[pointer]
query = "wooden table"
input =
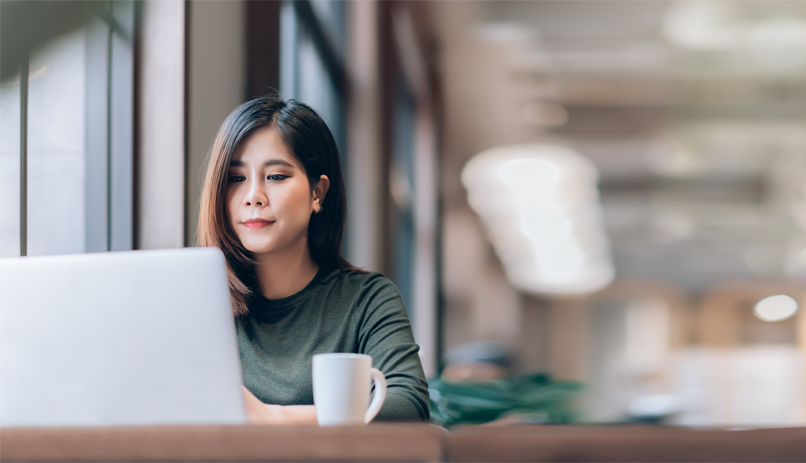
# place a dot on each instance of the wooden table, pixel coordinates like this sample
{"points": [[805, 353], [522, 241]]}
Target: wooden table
{"points": [[625, 444], [400, 442], [377, 442]]}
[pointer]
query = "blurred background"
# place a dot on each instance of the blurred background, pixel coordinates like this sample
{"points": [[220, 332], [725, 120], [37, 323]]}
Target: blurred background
{"points": [[609, 192]]}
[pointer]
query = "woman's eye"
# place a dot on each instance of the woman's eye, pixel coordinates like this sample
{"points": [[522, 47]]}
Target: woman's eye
{"points": [[277, 177], [236, 178]]}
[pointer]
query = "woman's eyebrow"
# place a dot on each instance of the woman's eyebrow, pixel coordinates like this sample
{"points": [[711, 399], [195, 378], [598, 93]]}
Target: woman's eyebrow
{"points": [[273, 162]]}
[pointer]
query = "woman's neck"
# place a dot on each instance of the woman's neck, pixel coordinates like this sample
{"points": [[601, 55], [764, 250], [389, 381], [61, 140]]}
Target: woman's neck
{"points": [[284, 274]]}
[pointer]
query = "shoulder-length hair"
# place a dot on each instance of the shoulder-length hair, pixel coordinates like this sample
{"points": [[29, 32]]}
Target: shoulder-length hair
{"points": [[312, 143]]}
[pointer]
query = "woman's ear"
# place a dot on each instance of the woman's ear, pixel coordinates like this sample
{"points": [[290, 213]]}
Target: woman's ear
{"points": [[319, 192]]}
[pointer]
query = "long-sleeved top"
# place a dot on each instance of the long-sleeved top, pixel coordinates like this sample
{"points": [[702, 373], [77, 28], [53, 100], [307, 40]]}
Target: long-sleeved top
{"points": [[338, 311]]}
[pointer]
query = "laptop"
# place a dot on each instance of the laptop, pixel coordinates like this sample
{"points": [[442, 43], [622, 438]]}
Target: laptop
{"points": [[118, 338]]}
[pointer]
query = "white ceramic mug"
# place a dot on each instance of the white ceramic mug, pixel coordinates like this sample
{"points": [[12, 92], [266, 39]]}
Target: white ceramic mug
{"points": [[341, 387]]}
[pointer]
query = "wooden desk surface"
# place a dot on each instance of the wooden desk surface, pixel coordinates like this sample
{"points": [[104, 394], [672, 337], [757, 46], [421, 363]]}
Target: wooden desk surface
{"points": [[400, 442], [377, 442], [625, 444]]}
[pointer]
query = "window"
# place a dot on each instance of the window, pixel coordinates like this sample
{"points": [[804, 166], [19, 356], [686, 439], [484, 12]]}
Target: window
{"points": [[72, 105], [402, 180], [312, 60]]}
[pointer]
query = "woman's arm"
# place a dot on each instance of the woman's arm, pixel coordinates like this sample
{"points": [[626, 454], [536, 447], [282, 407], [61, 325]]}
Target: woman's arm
{"points": [[384, 332], [259, 413]]}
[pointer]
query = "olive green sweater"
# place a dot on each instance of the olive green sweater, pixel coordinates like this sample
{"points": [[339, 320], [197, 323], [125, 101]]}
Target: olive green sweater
{"points": [[339, 311]]}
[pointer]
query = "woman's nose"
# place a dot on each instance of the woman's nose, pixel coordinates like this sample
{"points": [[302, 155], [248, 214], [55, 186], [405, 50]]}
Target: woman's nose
{"points": [[256, 196]]}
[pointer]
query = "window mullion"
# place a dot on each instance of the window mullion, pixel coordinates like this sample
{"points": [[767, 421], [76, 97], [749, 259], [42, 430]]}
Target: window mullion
{"points": [[96, 170], [24, 157], [121, 128], [288, 50], [109, 138]]}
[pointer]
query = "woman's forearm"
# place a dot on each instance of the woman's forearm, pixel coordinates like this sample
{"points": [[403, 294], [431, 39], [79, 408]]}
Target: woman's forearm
{"points": [[293, 414], [259, 413]]}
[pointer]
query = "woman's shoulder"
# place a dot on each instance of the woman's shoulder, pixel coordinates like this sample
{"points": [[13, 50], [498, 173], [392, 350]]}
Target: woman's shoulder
{"points": [[361, 280], [362, 287]]}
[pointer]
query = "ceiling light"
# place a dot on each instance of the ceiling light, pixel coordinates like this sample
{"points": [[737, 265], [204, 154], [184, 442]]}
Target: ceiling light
{"points": [[540, 208], [504, 32], [776, 308], [702, 25], [779, 43]]}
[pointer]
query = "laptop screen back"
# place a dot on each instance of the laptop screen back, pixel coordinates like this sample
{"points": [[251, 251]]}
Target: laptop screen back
{"points": [[139, 337]]}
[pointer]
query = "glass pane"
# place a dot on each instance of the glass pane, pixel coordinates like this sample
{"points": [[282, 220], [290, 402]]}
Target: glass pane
{"points": [[10, 168], [56, 147], [316, 88], [315, 85], [331, 14], [402, 174]]}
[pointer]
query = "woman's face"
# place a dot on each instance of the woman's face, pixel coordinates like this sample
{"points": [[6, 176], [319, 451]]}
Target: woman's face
{"points": [[269, 198]]}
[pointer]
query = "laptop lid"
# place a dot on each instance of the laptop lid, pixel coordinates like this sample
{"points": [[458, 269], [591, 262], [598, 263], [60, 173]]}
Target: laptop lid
{"points": [[137, 337]]}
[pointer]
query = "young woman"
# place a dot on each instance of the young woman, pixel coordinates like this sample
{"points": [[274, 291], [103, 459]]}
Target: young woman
{"points": [[274, 202]]}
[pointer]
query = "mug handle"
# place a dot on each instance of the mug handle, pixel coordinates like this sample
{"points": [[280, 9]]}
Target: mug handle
{"points": [[380, 394]]}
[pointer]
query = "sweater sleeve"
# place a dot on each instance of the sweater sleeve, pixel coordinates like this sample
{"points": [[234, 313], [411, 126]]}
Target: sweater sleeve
{"points": [[384, 332]]}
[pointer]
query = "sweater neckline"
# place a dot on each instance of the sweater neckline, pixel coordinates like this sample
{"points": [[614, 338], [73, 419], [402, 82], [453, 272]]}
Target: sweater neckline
{"points": [[263, 306]]}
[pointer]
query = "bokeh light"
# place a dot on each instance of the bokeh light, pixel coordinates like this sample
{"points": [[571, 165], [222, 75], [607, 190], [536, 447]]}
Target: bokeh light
{"points": [[776, 308]]}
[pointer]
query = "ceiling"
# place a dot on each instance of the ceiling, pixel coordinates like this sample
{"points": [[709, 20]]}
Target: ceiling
{"points": [[694, 114]]}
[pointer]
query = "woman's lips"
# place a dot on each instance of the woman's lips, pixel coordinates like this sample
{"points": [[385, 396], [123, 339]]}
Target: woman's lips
{"points": [[256, 223]]}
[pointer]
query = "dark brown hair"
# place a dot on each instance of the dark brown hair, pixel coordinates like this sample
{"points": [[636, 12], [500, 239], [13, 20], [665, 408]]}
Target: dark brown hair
{"points": [[312, 143]]}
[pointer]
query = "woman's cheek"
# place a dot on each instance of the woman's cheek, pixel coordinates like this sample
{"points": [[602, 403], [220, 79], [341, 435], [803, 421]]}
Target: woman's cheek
{"points": [[232, 202], [229, 201]]}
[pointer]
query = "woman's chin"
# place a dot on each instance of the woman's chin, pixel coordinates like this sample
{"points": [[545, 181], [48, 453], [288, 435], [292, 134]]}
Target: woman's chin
{"points": [[270, 245], [266, 249], [261, 249]]}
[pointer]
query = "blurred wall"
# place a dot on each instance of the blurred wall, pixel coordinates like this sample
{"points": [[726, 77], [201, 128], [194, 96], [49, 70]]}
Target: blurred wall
{"points": [[479, 302], [161, 147], [216, 83], [696, 155], [192, 74]]}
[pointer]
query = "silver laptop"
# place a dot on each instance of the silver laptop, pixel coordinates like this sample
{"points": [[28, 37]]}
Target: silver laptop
{"points": [[139, 337]]}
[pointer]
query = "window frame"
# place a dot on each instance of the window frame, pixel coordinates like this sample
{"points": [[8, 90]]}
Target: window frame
{"points": [[300, 20], [109, 131]]}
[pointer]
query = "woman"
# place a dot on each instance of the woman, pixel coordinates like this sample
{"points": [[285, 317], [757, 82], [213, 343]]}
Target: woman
{"points": [[274, 203]]}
